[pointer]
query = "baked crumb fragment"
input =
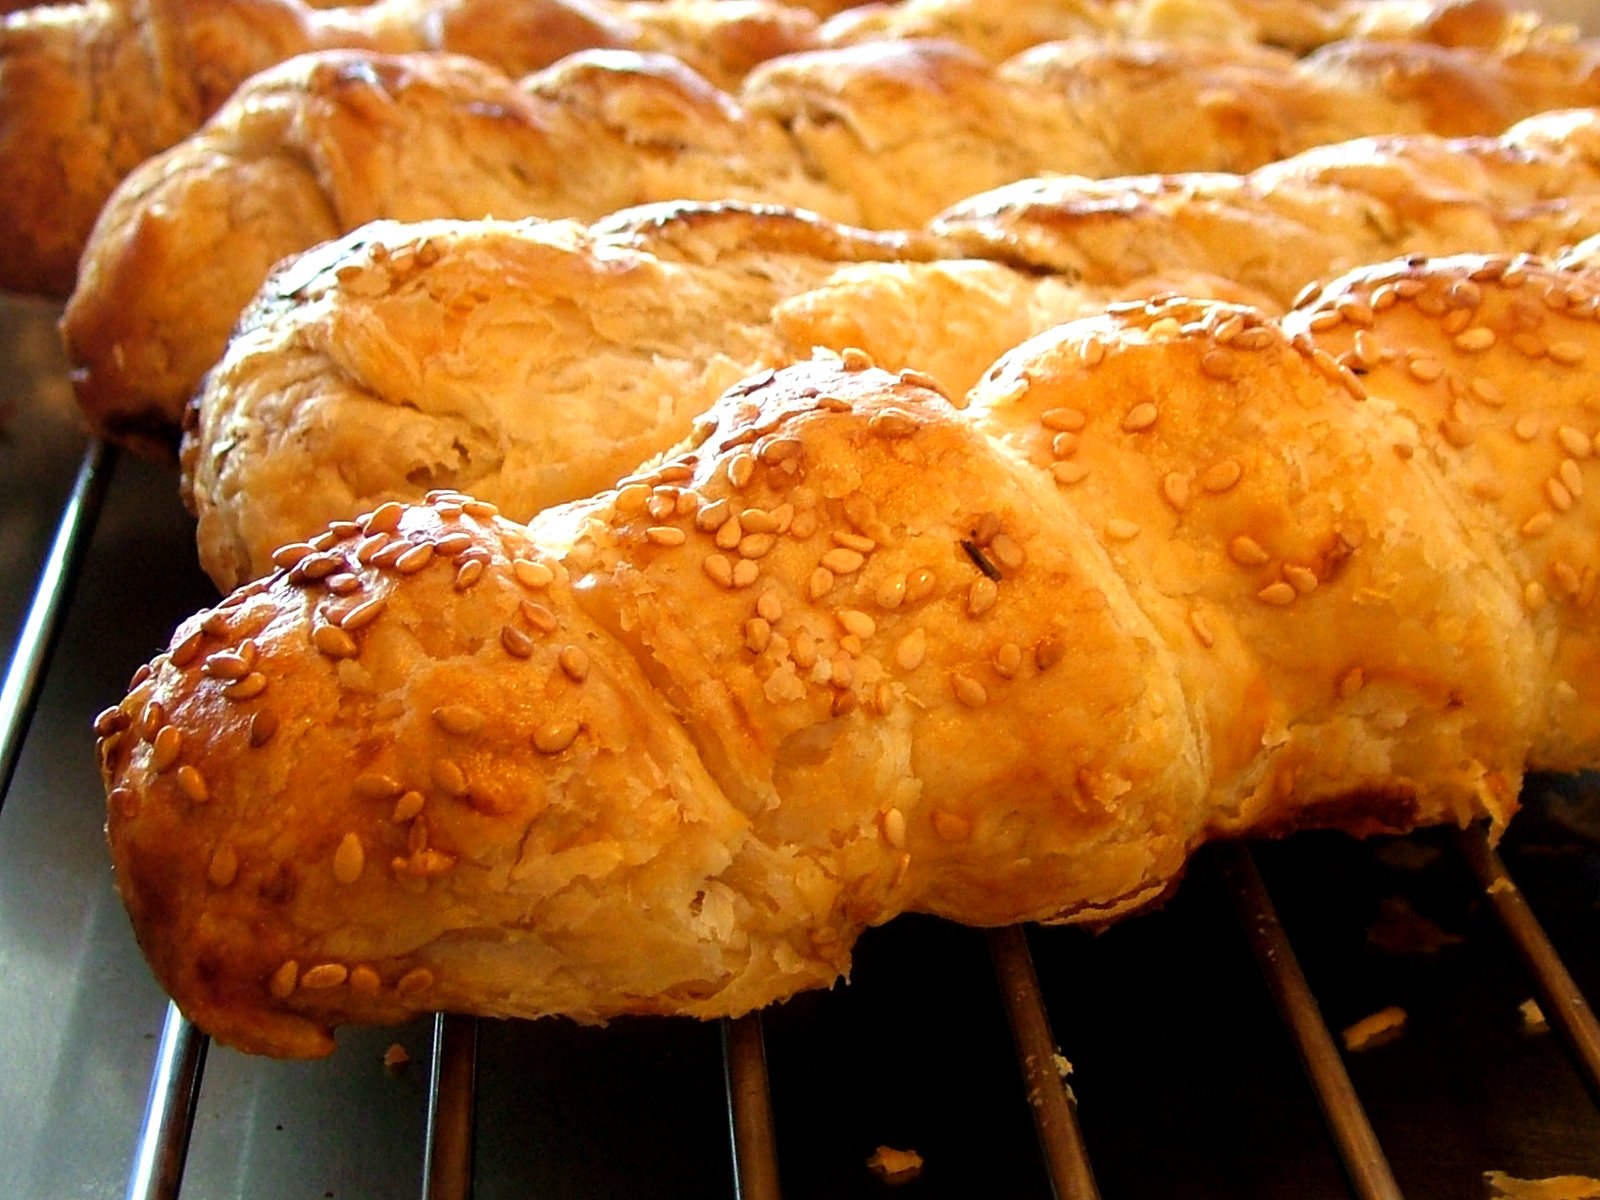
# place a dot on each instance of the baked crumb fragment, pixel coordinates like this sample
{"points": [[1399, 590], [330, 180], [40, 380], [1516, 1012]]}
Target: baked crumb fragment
{"points": [[895, 1166], [1533, 1017], [396, 1056], [1559, 1187], [1381, 1027]]}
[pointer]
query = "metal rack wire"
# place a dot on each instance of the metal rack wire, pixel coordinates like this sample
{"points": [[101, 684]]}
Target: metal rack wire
{"points": [[158, 1164]]}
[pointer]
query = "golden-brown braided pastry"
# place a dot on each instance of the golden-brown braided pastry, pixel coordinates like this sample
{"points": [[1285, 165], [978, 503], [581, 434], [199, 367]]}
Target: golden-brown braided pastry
{"points": [[1174, 573], [534, 364], [327, 143], [90, 90]]}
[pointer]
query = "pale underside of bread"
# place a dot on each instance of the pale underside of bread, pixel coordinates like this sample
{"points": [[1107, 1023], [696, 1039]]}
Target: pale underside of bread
{"points": [[328, 142], [1176, 571], [532, 364]]}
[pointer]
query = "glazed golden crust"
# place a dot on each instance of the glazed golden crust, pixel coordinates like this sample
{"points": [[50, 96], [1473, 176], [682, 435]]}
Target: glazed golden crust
{"points": [[329, 142], [534, 364], [1176, 571], [90, 90]]}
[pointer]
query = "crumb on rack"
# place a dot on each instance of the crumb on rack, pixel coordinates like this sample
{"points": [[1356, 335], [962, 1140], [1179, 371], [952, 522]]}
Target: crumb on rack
{"points": [[1375, 1030], [1559, 1187], [396, 1056], [895, 1166], [1533, 1016]]}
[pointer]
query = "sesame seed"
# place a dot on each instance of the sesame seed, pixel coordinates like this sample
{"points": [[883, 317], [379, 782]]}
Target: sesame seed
{"points": [[1352, 682], [1575, 441], [414, 559], [1202, 629], [324, 976], [481, 509], [1064, 445], [292, 554], [770, 606], [389, 554], [854, 358], [263, 725], [891, 592], [516, 643], [666, 535], [349, 859], [857, 622], [1118, 529], [894, 828], [1526, 427], [1219, 365], [890, 423], [224, 866], [1279, 593], [186, 651], [1567, 353], [1537, 524], [226, 664], [1458, 433], [414, 982], [1247, 552], [1140, 417], [910, 650], [452, 544], [1324, 321], [1533, 595], [1048, 651], [757, 635], [1456, 321], [111, 720], [1566, 577], [1556, 491], [407, 807], [458, 719], [757, 520], [729, 534], [1425, 370], [968, 690], [852, 541], [448, 777], [151, 719], [467, 575], [165, 748], [745, 572], [719, 568], [920, 584], [538, 616], [317, 566], [283, 981], [1474, 340], [574, 661], [191, 783], [364, 981], [1175, 491], [368, 548], [841, 560], [755, 545], [711, 516], [662, 505], [981, 596], [1486, 392], [385, 518], [1068, 473], [374, 785], [780, 450], [333, 642], [1303, 579], [1009, 551], [1063, 420], [552, 737], [531, 574], [1008, 659], [1571, 475], [1222, 476]]}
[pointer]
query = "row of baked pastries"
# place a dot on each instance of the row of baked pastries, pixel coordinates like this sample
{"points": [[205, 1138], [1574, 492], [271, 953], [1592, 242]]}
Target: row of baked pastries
{"points": [[883, 135], [90, 89], [1175, 571], [534, 363]]}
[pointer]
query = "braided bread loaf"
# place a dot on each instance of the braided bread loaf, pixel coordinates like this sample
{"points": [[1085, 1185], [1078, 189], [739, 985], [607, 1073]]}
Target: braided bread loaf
{"points": [[90, 90], [327, 143], [533, 364], [1176, 572]]}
